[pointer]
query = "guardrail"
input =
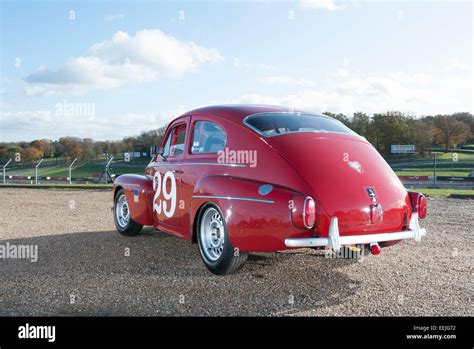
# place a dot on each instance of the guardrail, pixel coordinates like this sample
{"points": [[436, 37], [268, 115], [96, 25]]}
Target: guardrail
{"points": [[48, 179], [438, 178], [51, 179], [441, 182], [416, 178]]}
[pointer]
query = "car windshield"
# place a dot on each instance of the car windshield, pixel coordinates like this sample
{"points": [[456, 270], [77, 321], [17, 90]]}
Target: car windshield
{"points": [[275, 124]]}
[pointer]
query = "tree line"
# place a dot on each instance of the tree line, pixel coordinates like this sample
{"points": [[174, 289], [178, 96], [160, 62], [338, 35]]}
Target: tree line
{"points": [[85, 149], [382, 130], [385, 129]]}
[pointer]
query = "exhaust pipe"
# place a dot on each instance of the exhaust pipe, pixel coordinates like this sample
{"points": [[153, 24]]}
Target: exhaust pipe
{"points": [[375, 248]]}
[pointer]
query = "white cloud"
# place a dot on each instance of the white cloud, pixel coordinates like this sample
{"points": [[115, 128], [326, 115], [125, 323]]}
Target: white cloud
{"points": [[455, 65], [145, 56], [370, 86], [341, 73], [287, 81], [267, 67], [33, 124], [14, 124], [39, 116], [400, 15], [112, 17], [311, 100], [248, 67], [321, 4], [419, 94]]}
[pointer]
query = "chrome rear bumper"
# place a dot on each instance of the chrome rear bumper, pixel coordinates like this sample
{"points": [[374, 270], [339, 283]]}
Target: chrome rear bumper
{"points": [[335, 241]]}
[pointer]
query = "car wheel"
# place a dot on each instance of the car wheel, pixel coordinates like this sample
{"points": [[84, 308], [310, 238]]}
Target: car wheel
{"points": [[215, 247], [123, 222]]}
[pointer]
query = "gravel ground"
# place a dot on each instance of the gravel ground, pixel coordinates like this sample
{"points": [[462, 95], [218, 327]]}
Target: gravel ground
{"points": [[83, 268]]}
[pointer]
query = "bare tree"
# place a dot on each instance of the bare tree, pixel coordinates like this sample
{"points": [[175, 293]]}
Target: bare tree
{"points": [[449, 132]]}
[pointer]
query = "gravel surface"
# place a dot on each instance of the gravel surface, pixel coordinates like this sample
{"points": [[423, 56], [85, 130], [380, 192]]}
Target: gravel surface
{"points": [[83, 268]]}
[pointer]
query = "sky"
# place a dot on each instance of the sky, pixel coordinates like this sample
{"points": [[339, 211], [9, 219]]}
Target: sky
{"points": [[107, 70]]}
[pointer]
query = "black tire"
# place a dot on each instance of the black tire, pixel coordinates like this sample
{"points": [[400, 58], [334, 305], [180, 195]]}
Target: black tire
{"points": [[130, 228], [230, 259]]}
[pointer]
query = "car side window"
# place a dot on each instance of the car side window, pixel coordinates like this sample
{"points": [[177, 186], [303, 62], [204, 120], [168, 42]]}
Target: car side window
{"points": [[174, 145], [207, 138]]}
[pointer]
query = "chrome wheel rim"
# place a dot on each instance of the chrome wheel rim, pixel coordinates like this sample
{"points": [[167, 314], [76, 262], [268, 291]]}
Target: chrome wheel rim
{"points": [[212, 234], [122, 212]]}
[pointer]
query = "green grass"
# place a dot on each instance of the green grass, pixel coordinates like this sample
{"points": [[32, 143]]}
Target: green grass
{"points": [[85, 170], [468, 151], [443, 192], [444, 167], [420, 172], [449, 156], [429, 158]]}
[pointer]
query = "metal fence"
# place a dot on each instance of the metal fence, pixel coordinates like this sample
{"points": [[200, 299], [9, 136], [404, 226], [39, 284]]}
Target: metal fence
{"points": [[21, 173]]}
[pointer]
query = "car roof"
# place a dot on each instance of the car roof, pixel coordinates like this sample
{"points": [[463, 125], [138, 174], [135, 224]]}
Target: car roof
{"points": [[237, 112]]}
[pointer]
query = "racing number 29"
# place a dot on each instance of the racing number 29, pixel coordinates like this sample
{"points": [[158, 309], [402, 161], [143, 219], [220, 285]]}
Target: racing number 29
{"points": [[169, 197]]}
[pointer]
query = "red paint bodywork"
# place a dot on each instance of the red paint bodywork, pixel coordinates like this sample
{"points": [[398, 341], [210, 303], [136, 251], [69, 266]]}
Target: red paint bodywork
{"points": [[296, 165]]}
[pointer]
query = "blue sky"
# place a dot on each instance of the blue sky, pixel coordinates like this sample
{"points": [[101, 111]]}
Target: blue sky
{"points": [[125, 67]]}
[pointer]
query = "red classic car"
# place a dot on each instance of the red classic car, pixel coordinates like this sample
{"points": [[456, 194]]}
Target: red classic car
{"points": [[243, 178]]}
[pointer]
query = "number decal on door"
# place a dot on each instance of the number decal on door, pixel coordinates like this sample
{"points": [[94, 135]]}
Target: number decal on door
{"points": [[167, 205]]}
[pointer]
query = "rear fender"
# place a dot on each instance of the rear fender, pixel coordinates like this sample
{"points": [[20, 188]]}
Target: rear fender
{"points": [[256, 221], [139, 192]]}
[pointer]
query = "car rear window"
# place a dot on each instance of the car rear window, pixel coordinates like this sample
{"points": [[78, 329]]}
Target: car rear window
{"points": [[275, 124]]}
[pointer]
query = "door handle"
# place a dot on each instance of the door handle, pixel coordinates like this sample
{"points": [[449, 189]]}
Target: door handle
{"points": [[177, 171]]}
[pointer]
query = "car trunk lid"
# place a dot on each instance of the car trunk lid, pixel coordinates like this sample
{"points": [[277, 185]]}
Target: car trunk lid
{"points": [[349, 178]]}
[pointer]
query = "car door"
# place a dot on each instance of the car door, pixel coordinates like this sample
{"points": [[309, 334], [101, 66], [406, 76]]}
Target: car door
{"points": [[167, 180]]}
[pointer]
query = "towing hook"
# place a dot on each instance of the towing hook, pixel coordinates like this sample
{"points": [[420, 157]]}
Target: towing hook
{"points": [[375, 248]]}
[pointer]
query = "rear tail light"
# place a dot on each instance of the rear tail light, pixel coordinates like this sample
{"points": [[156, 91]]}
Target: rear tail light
{"points": [[303, 212], [309, 212], [418, 204], [375, 249]]}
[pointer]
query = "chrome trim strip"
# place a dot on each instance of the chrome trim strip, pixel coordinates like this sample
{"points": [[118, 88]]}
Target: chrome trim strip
{"points": [[198, 163], [131, 184], [232, 198]]}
